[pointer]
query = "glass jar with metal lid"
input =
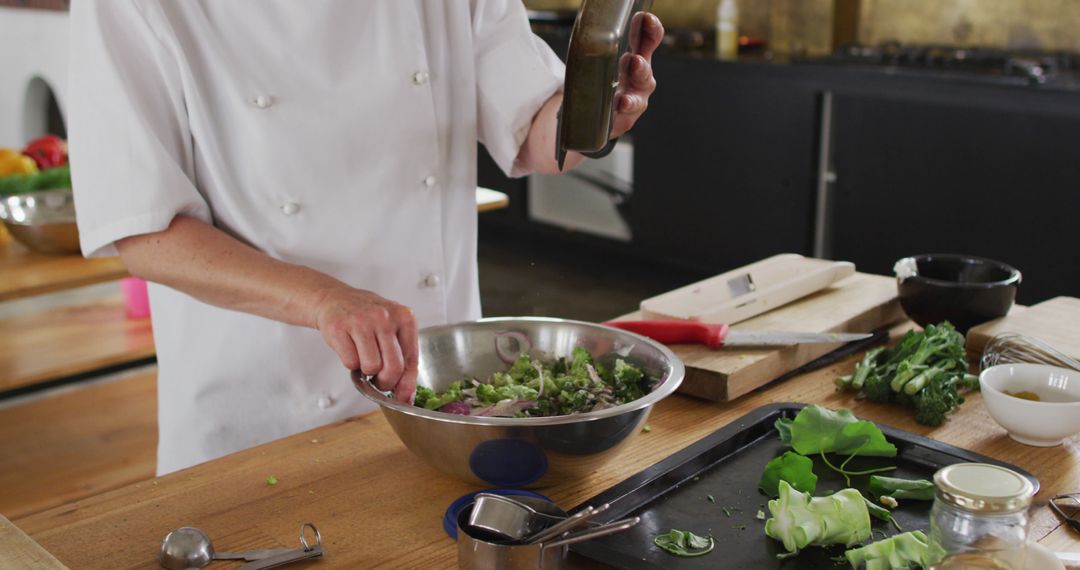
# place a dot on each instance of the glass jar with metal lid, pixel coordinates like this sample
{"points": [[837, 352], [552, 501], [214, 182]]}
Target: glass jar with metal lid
{"points": [[980, 517]]}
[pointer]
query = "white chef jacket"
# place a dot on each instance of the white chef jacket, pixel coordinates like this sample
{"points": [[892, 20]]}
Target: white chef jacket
{"points": [[337, 134]]}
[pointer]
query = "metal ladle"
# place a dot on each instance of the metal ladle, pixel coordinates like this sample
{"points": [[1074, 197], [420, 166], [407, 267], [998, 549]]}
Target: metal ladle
{"points": [[188, 547]]}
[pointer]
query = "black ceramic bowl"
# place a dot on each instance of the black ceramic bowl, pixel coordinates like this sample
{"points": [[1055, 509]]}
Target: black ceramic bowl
{"points": [[962, 289]]}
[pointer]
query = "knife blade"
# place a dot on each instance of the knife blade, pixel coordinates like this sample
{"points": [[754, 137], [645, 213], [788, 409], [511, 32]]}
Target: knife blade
{"points": [[715, 335]]}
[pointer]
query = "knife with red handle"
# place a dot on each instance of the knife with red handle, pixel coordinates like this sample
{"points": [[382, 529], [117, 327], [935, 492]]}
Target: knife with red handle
{"points": [[714, 335]]}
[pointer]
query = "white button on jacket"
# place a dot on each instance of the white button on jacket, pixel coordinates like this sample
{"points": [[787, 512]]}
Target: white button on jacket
{"points": [[166, 118], [263, 101]]}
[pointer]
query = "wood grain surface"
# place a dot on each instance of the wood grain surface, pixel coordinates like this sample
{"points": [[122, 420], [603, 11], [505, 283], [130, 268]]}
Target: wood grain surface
{"points": [[19, 551], [26, 273], [1054, 322], [379, 506], [860, 303], [76, 443], [70, 340]]}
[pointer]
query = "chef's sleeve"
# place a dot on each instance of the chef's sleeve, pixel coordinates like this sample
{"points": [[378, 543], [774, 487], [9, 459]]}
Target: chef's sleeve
{"points": [[516, 73], [130, 144]]}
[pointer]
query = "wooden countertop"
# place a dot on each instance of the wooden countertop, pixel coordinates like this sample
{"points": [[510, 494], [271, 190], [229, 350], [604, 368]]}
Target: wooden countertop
{"points": [[26, 273], [77, 442], [377, 504]]}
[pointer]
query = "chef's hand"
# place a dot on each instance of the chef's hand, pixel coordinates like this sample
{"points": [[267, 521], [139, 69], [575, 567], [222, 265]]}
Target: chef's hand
{"points": [[373, 335], [636, 81]]}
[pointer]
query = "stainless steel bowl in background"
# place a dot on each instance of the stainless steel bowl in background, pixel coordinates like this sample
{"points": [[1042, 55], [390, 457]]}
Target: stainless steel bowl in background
{"points": [[523, 452], [43, 221]]}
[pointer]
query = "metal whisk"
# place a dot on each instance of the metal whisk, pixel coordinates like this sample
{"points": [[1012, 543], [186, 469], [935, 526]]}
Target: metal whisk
{"points": [[1012, 347]]}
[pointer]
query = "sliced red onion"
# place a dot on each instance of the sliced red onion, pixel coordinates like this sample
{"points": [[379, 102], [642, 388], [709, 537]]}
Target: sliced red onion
{"points": [[592, 374], [504, 353], [540, 375], [459, 408]]}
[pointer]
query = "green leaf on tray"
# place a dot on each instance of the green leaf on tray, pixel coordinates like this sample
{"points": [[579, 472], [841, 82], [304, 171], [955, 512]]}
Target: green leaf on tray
{"points": [[820, 430], [796, 469], [915, 489], [684, 543]]}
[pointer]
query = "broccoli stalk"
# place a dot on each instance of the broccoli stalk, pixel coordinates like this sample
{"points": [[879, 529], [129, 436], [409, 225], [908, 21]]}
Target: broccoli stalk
{"points": [[902, 551], [862, 371], [799, 520]]}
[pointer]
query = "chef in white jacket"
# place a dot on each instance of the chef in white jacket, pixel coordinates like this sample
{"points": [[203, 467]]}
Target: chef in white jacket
{"points": [[296, 180]]}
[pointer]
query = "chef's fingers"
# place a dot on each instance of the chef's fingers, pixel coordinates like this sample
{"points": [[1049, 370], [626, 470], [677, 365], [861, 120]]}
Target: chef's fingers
{"points": [[641, 75], [410, 350], [652, 33], [342, 344], [393, 363], [633, 98], [367, 348]]}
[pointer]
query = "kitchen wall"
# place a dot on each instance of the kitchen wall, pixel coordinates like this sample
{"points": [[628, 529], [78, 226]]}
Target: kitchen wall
{"points": [[806, 25], [1045, 24], [36, 46]]}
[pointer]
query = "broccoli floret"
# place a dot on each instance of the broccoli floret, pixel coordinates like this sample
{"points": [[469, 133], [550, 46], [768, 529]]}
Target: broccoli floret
{"points": [[627, 373], [487, 393], [580, 359], [877, 389], [937, 399], [500, 379], [523, 370], [423, 394], [577, 401], [452, 394], [517, 392]]}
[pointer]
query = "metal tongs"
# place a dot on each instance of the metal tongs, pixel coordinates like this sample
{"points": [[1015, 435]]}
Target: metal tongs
{"points": [[604, 31]]}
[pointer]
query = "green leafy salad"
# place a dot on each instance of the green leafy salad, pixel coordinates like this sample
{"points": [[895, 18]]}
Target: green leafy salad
{"points": [[531, 388]]}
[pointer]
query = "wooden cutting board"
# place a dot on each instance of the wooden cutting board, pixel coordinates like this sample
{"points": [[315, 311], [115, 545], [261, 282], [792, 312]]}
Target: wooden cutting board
{"points": [[860, 303], [1055, 322], [20, 551]]}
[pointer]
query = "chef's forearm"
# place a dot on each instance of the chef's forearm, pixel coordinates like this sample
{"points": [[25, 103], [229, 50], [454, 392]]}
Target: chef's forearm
{"points": [[537, 153], [198, 259]]}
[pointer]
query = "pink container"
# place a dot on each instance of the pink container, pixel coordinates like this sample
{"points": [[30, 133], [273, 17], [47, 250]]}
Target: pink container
{"points": [[136, 299]]}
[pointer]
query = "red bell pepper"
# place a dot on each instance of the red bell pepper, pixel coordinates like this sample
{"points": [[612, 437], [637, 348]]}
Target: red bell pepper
{"points": [[48, 151]]}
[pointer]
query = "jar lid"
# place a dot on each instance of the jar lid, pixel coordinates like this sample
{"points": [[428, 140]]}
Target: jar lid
{"points": [[983, 488]]}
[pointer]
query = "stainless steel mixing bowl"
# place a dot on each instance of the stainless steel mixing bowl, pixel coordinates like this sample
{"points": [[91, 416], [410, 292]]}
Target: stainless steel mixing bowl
{"points": [[43, 221], [523, 452]]}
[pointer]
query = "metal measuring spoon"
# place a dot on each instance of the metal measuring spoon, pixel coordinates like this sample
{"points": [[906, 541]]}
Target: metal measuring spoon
{"points": [[189, 547], [290, 556]]}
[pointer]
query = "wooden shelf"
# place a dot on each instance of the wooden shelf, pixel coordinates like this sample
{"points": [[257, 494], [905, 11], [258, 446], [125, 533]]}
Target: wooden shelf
{"points": [[26, 273], [70, 340]]}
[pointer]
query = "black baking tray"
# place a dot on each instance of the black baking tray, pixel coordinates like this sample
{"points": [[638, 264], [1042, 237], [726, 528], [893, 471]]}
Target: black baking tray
{"points": [[727, 465]]}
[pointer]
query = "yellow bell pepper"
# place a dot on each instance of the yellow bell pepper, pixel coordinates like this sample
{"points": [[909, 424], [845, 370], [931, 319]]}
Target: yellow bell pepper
{"points": [[15, 162]]}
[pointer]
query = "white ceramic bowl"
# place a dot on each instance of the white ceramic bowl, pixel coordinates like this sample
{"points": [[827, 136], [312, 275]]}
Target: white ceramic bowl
{"points": [[1045, 423]]}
